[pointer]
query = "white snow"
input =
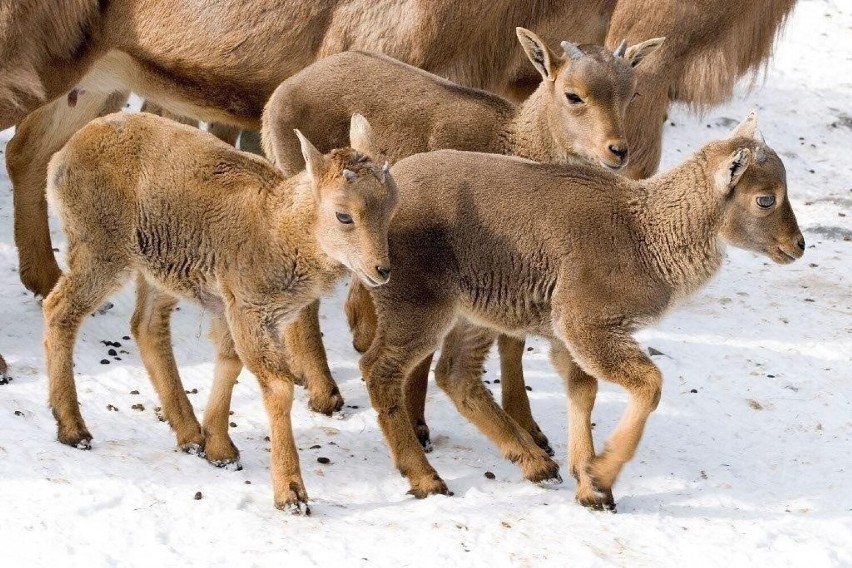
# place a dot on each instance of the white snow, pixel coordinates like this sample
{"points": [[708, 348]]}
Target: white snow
{"points": [[752, 469]]}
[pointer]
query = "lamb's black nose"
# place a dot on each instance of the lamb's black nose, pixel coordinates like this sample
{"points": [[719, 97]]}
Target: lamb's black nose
{"points": [[619, 150], [383, 271], [801, 243]]}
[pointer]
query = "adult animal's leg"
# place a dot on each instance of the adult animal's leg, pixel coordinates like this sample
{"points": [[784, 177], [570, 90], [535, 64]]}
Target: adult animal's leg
{"points": [[37, 137]]}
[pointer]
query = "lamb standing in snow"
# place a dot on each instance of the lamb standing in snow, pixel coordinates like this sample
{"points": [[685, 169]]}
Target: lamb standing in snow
{"points": [[575, 254], [195, 218]]}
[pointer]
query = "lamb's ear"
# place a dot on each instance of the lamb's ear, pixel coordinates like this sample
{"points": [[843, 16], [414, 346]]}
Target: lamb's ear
{"points": [[538, 53], [361, 136], [314, 160], [730, 171], [747, 128], [636, 53]]}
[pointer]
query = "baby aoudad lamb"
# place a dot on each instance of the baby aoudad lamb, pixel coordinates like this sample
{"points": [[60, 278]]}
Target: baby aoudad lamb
{"points": [[576, 114], [575, 254], [194, 218]]}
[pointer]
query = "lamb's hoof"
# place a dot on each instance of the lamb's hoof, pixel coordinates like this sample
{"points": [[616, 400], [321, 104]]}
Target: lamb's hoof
{"points": [[432, 485], [230, 465], [72, 432], [296, 500], [5, 379], [597, 500], [421, 429], [547, 475], [550, 480], [223, 454], [294, 508], [192, 448], [327, 404], [80, 439], [541, 440]]}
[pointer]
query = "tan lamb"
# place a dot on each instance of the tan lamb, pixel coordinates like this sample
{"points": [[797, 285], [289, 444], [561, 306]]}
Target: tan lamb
{"points": [[578, 255], [194, 218], [576, 114]]}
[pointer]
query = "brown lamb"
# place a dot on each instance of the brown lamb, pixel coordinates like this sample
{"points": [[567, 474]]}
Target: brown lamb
{"points": [[578, 255], [194, 218]]}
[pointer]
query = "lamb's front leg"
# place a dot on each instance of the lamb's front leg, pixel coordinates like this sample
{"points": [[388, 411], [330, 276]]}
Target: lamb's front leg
{"points": [[255, 336], [612, 355], [582, 390]]}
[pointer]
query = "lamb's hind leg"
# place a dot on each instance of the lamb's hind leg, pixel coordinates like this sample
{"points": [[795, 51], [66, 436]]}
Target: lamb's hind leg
{"points": [[459, 374], [309, 362], [615, 356], [78, 293], [151, 327], [515, 401], [218, 446], [405, 338]]}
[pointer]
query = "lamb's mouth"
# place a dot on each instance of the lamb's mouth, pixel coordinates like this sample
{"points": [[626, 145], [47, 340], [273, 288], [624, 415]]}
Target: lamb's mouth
{"points": [[781, 256], [365, 278]]}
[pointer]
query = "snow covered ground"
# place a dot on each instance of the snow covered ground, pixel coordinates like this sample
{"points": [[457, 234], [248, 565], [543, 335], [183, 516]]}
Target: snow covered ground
{"points": [[746, 462]]}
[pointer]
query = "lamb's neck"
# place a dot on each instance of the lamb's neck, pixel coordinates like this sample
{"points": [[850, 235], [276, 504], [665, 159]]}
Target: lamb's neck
{"points": [[680, 219], [529, 134], [294, 221]]}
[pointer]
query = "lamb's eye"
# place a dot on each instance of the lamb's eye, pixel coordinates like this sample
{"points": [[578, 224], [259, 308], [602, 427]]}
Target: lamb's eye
{"points": [[574, 98], [344, 218], [765, 201]]}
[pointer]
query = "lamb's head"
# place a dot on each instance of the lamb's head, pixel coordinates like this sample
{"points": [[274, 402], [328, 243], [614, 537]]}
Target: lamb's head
{"points": [[355, 201], [585, 93], [750, 179]]}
